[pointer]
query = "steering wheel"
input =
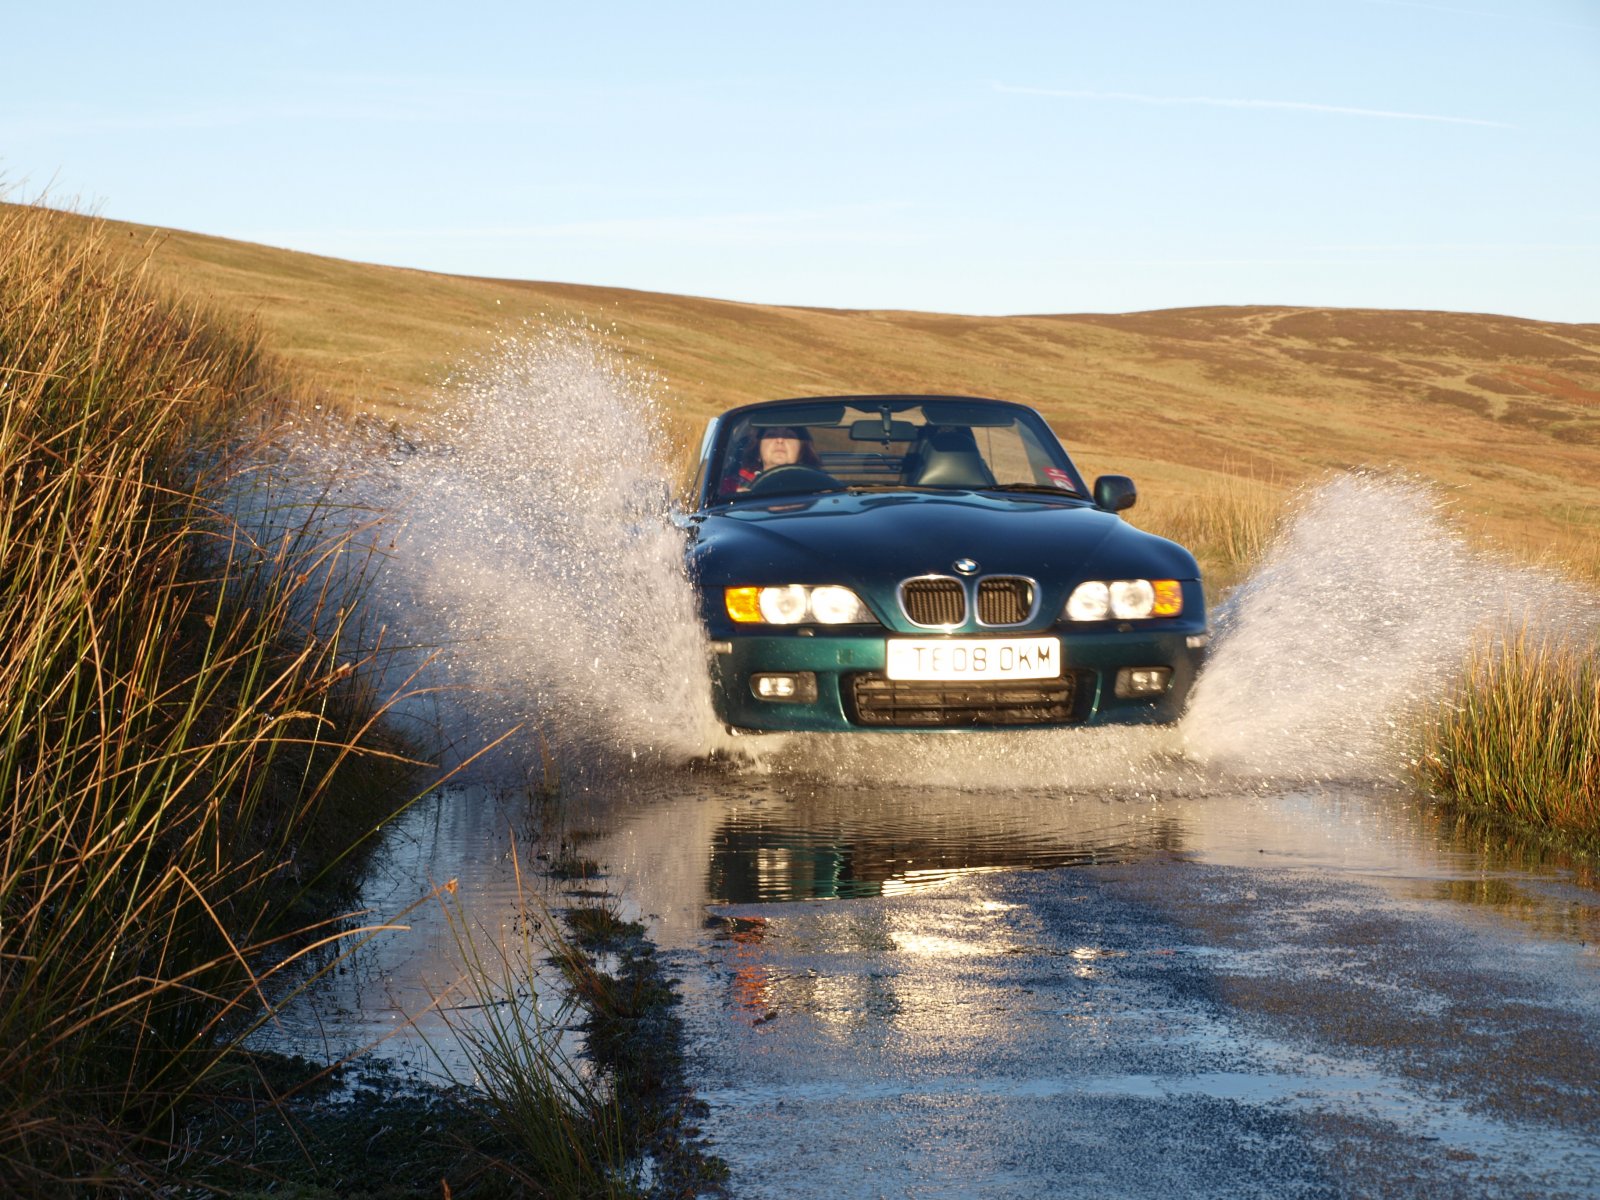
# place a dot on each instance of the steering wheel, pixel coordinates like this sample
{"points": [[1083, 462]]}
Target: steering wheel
{"points": [[792, 477]]}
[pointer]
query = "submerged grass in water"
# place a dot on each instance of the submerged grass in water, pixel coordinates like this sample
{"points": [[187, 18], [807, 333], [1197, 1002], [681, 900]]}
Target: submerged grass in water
{"points": [[562, 1124]]}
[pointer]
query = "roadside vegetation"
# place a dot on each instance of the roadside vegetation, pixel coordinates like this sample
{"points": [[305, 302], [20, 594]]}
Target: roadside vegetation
{"points": [[177, 714], [194, 754], [1519, 743]]}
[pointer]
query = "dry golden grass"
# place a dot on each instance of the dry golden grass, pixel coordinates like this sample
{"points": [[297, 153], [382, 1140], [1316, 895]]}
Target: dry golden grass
{"points": [[1503, 413]]}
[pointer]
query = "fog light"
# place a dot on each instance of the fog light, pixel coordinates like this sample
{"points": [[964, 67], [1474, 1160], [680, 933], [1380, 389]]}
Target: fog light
{"points": [[792, 687], [1134, 682]]}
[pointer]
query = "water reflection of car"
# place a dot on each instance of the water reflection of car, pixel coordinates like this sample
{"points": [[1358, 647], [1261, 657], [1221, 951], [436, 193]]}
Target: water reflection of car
{"points": [[929, 562]]}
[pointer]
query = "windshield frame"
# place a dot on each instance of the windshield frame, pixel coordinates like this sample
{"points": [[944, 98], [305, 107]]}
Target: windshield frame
{"points": [[719, 443]]}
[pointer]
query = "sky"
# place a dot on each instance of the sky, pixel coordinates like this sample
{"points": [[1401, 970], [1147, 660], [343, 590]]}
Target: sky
{"points": [[1015, 156]]}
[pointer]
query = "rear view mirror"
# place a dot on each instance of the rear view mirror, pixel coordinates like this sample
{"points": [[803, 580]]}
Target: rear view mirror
{"points": [[1115, 493], [871, 429]]}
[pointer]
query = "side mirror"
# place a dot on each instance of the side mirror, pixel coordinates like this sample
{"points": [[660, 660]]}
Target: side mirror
{"points": [[1115, 493]]}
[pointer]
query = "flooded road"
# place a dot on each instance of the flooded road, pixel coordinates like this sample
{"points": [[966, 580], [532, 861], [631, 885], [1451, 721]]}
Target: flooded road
{"points": [[938, 992], [1294, 994]]}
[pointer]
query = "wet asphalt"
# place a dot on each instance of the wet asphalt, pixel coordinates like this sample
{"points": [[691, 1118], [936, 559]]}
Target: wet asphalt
{"points": [[1163, 1027]]}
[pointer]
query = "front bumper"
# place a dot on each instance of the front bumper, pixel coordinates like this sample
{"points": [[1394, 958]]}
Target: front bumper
{"points": [[852, 693]]}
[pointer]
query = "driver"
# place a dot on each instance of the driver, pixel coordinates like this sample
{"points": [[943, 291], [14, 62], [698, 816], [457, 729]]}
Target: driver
{"points": [[775, 446]]}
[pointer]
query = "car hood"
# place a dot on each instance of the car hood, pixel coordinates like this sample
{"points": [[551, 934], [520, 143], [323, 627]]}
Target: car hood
{"points": [[875, 538]]}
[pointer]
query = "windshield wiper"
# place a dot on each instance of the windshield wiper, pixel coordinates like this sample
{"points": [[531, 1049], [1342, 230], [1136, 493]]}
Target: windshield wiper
{"points": [[1041, 489]]}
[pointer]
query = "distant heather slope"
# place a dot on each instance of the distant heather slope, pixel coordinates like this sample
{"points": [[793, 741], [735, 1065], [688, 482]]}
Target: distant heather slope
{"points": [[1505, 413]]}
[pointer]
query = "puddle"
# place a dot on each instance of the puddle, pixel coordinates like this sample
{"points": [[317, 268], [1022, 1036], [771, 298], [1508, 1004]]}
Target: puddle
{"points": [[679, 845], [398, 992]]}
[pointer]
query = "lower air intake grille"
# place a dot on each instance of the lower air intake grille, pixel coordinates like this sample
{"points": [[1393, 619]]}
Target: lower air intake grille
{"points": [[934, 601], [903, 704], [1004, 600]]}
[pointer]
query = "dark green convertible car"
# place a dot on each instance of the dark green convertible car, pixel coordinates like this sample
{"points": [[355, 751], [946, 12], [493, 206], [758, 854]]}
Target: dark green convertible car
{"points": [[929, 562]]}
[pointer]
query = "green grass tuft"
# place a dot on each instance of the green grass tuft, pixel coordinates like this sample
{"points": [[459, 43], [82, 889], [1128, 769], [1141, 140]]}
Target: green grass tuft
{"points": [[1520, 741]]}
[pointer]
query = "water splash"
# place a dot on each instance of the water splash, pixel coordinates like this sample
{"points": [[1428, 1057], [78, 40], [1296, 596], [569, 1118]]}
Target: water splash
{"points": [[1361, 614], [532, 582], [540, 537]]}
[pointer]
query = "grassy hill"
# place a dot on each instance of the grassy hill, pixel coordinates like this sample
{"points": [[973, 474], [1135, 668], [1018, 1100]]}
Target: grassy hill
{"points": [[1503, 412]]}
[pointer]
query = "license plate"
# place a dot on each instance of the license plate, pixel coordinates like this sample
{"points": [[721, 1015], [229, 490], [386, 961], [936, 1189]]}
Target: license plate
{"points": [[953, 660]]}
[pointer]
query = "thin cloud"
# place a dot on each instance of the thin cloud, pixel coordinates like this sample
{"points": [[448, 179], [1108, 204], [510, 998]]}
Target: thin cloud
{"points": [[1220, 102], [836, 224], [1521, 16], [164, 120], [1459, 248]]}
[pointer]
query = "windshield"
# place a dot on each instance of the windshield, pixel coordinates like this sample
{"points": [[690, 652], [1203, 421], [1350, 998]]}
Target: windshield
{"points": [[945, 444]]}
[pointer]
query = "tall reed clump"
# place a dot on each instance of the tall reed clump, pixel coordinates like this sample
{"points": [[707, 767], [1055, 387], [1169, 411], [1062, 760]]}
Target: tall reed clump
{"points": [[178, 704], [1521, 738]]}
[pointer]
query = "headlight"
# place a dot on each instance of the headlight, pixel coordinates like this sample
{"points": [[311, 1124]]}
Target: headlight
{"points": [[838, 606], [793, 603], [1089, 601], [1124, 600], [1132, 598], [783, 605]]}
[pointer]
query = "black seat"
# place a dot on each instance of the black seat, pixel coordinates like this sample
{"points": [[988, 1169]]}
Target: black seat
{"points": [[949, 458]]}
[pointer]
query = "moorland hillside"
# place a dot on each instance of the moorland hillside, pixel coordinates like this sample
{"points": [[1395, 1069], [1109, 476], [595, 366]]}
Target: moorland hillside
{"points": [[1504, 413]]}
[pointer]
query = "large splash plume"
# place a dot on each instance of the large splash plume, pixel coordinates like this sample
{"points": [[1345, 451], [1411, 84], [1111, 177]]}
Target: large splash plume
{"points": [[531, 581], [536, 536], [1360, 617]]}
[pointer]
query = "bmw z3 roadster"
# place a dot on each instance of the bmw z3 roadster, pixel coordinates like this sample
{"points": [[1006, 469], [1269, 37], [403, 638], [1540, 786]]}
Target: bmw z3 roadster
{"points": [[929, 562]]}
